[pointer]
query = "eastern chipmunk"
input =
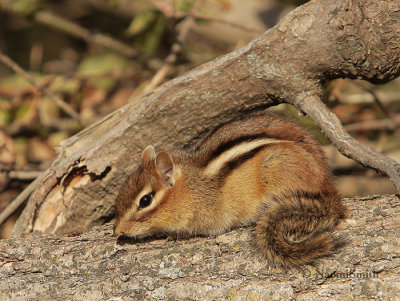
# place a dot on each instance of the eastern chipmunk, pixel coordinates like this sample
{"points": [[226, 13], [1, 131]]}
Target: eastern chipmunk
{"points": [[262, 169]]}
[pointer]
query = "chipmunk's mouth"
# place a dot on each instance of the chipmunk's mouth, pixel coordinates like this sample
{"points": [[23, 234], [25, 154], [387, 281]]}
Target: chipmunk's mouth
{"points": [[132, 231]]}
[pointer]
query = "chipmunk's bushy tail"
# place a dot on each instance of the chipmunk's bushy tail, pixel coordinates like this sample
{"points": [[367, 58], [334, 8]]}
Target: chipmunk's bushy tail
{"points": [[297, 227]]}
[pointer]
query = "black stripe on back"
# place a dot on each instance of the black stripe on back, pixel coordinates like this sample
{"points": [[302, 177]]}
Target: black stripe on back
{"points": [[236, 162], [232, 143]]}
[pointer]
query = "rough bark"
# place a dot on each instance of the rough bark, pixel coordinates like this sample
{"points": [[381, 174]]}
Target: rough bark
{"points": [[317, 42], [95, 266]]}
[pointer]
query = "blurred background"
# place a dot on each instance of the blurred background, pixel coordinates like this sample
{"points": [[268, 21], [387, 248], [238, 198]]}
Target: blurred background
{"points": [[67, 64]]}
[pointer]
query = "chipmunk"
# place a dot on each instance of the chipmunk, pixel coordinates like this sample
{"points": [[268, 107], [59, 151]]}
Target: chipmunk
{"points": [[262, 169]]}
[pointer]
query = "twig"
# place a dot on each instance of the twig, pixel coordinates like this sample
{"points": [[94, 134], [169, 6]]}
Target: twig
{"points": [[183, 32], [73, 29], [168, 12], [356, 169], [373, 125], [21, 198], [346, 144], [366, 98], [371, 91], [219, 20], [175, 50], [57, 100], [24, 174]]}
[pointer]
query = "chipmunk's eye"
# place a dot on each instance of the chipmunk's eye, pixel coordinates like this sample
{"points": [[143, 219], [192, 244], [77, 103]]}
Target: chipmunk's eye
{"points": [[145, 200]]}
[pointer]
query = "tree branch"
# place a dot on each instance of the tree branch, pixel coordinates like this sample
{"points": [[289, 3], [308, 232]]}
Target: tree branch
{"points": [[346, 144]]}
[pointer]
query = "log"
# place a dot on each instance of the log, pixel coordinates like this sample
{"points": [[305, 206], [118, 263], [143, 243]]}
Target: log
{"points": [[96, 266], [319, 41]]}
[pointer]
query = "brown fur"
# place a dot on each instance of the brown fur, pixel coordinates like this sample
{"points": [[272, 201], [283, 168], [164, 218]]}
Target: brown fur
{"points": [[262, 169]]}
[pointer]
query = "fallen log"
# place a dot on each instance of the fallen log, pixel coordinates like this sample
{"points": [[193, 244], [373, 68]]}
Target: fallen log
{"points": [[95, 265]]}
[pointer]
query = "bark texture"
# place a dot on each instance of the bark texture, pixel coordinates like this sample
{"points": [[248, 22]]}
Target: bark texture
{"points": [[317, 42], [95, 266]]}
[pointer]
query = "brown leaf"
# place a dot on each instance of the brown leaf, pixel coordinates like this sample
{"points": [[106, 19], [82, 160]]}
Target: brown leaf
{"points": [[7, 149]]}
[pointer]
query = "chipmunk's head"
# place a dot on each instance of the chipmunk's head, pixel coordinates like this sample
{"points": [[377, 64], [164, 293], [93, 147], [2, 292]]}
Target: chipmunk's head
{"points": [[142, 202]]}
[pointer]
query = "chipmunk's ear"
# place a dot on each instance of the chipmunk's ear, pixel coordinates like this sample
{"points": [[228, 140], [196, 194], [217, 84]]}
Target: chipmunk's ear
{"points": [[165, 164], [149, 154]]}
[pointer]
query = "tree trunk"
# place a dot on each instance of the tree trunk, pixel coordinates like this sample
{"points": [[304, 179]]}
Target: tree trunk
{"points": [[97, 266], [317, 42]]}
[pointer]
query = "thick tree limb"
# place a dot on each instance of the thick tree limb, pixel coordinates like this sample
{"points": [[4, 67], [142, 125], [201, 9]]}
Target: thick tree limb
{"points": [[317, 42], [92, 266]]}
